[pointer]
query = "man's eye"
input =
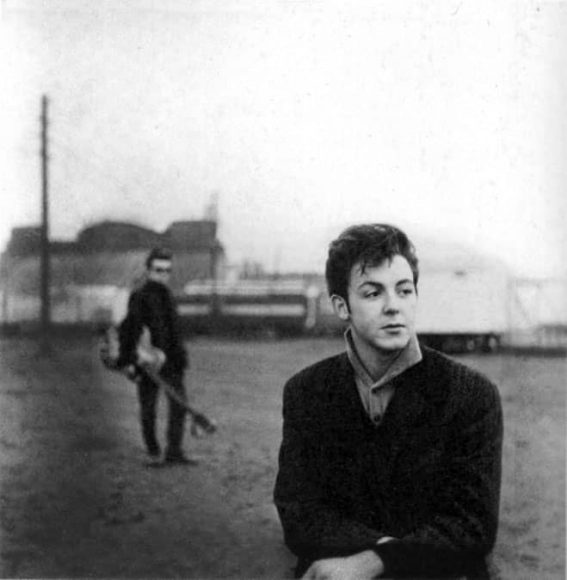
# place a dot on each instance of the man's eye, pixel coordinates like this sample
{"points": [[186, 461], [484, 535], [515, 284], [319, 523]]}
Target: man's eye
{"points": [[407, 291], [372, 294]]}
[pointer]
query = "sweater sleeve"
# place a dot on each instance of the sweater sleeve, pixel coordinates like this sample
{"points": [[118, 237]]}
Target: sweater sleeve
{"points": [[463, 524], [313, 527], [131, 329]]}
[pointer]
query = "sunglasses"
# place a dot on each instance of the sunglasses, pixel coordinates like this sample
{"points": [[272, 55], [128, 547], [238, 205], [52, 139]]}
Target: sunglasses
{"points": [[161, 270]]}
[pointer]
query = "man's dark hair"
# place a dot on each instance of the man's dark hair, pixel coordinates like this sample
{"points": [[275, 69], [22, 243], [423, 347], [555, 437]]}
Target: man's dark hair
{"points": [[157, 254], [367, 245]]}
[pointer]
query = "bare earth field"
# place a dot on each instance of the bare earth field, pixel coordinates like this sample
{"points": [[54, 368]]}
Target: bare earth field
{"points": [[77, 500]]}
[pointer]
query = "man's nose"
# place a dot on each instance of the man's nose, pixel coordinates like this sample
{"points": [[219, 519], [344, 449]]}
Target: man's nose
{"points": [[391, 303]]}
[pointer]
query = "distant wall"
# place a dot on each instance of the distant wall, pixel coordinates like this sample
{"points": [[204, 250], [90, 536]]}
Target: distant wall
{"points": [[111, 236], [21, 275], [76, 304], [110, 253]]}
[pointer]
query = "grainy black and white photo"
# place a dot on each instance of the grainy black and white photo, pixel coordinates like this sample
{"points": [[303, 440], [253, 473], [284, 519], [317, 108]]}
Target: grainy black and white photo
{"points": [[283, 289]]}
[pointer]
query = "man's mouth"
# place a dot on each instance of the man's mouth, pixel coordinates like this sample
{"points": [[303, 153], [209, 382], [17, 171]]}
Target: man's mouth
{"points": [[393, 326]]}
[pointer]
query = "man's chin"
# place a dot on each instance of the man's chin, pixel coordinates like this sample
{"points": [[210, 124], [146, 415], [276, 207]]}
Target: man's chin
{"points": [[392, 344]]}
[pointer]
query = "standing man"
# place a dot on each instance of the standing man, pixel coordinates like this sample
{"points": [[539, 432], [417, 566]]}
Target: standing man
{"points": [[152, 306], [391, 454]]}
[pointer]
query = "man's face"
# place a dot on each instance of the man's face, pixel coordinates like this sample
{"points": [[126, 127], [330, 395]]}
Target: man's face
{"points": [[160, 271], [382, 305]]}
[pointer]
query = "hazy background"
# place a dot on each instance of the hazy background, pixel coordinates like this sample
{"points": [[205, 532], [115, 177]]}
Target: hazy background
{"points": [[298, 116]]}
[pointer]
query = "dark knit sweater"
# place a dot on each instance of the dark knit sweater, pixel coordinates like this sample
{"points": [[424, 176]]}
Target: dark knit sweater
{"points": [[153, 306], [429, 475]]}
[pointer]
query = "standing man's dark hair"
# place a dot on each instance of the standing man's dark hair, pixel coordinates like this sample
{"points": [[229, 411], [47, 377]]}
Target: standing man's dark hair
{"points": [[152, 308], [390, 460]]}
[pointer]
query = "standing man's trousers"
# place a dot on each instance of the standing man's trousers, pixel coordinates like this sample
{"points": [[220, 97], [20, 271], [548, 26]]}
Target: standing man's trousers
{"points": [[148, 396]]}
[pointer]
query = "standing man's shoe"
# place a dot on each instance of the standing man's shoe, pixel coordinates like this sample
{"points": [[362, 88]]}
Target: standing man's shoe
{"points": [[153, 451], [179, 458]]}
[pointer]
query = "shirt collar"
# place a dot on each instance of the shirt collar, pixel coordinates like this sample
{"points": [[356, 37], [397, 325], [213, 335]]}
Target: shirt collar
{"points": [[409, 356]]}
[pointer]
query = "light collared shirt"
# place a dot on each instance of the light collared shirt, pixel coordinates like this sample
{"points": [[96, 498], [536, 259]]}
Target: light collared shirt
{"points": [[377, 392]]}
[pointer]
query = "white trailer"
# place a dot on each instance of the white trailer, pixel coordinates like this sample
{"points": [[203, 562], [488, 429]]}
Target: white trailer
{"points": [[464, 302]]}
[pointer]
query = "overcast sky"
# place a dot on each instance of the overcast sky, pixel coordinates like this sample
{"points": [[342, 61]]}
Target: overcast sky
{"points": [[302, 116]]}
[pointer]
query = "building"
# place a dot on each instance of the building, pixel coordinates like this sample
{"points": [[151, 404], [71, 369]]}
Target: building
{"points": [[107, 255]]}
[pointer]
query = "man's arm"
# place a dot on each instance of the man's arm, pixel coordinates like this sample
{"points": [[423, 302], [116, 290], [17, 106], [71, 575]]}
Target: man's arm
{"points": [[313, 527], [462, 528], [179, 357], [130, 330]]}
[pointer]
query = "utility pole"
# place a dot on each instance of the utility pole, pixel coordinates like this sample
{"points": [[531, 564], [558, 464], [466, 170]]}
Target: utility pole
{"points": [[45, 254]]}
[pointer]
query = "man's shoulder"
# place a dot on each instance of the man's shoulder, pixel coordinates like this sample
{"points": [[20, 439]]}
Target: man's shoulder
{"points": [[139, 288], [147, 290], [455, 376], [318, 374], [439, 362]]}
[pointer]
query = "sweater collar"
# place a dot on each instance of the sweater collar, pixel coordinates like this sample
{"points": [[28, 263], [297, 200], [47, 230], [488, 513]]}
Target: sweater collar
{"points": [[409, 356]]}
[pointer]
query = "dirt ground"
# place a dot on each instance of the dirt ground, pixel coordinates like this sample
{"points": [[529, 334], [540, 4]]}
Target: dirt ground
{"points": [[78, 501]]}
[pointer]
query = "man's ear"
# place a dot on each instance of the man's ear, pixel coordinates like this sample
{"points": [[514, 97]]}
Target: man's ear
{"points": [[340, 307]]}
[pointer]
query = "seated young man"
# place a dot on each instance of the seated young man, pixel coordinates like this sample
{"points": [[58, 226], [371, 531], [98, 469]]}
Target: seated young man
{"points": [[391, 454]]}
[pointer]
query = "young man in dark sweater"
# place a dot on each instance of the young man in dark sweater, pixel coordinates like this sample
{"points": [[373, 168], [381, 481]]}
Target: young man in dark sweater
{"points": [[152, 306], [391, 454]]}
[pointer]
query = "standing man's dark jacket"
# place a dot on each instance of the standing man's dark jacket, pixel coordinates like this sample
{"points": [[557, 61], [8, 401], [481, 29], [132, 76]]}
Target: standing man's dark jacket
{"points": [[428, 475], [152, 305]]}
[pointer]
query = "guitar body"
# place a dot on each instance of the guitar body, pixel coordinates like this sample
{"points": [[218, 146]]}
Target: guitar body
{"points": [[150, 361]]}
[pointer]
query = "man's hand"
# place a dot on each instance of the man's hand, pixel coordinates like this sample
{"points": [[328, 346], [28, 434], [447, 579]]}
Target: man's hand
{"points": [[363, 566], [132, 372]]}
